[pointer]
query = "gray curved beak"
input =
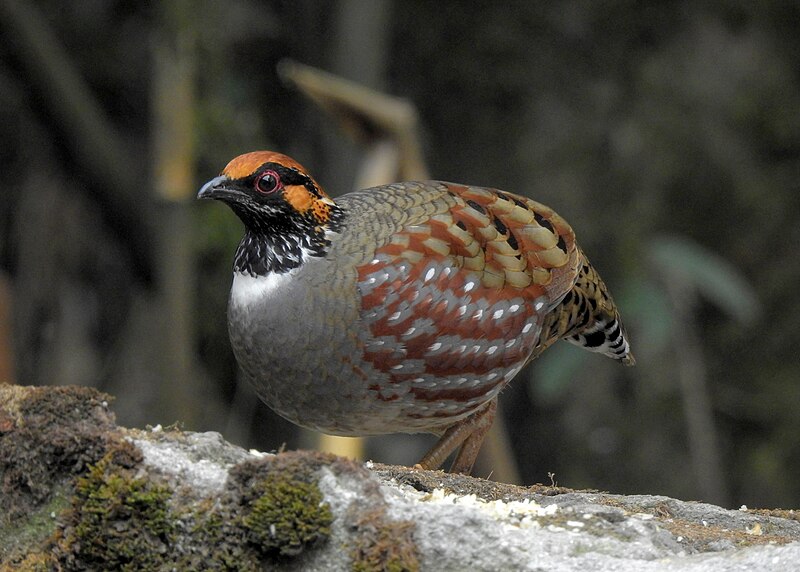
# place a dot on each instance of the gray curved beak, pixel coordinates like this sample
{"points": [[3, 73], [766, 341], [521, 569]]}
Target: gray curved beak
{"points": [[214, 188]]}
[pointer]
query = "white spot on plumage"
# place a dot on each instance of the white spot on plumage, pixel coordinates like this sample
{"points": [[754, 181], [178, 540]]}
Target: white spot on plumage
{"points": [[469, 286], [513, 308], [497, 315], [510, 343], [538, 306], [394, 316], [435, 346], [430, 274], [491, 349], [527, 328], [477, 315]]}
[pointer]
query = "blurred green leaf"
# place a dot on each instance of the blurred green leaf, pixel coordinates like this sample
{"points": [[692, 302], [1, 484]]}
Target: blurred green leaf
{"points": [[708, 273], [216, 229], [553, 372], [646, 309]]}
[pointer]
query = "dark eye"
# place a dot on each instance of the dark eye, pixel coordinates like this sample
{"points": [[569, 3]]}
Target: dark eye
{"points": [[268, 182]]}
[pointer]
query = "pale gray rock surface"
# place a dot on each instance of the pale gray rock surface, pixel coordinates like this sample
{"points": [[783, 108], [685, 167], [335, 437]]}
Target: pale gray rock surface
{"points": [[379, 513], [568, 532]]}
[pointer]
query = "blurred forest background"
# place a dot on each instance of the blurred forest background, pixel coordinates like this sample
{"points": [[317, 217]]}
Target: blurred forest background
{"points": [[667, 133]]}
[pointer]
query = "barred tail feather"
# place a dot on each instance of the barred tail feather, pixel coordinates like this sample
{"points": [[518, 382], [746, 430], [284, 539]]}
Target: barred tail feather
{"points": [[606, 337], [588, 317]]}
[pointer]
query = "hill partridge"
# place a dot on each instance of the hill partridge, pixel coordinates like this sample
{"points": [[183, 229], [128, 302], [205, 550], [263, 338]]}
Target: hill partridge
{"points": [[401, 308]]}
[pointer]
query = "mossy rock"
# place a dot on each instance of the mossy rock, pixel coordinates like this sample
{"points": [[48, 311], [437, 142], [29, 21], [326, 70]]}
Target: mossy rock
{"points": [[384, 545], [46, 436], [288, 516], [118, 520]]}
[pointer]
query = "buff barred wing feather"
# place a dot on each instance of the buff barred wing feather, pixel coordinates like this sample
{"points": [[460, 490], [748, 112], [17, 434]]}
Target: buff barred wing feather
{"points": [[454, 305]]}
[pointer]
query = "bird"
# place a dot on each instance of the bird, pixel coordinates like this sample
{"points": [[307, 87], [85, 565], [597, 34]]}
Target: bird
{"points": [[401, 308]]}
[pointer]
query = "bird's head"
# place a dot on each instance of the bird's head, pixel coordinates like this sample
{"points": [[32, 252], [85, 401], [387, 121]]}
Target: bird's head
{"points": [[268, 190], [281, 205]]}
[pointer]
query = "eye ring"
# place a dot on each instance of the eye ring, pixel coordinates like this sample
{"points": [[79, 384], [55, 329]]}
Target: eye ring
{"points": [[268, 182]]}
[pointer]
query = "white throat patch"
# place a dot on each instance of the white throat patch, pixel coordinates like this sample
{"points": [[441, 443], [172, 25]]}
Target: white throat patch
{"points": [[247, 290]]}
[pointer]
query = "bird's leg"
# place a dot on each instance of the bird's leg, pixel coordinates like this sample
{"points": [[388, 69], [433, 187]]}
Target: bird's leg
{"points": [[469, 433], [481, 423]]}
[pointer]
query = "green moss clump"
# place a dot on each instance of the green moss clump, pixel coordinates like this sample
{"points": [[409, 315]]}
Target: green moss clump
{"points": [[118, 521], [25, 535], [384, 545], [216, 539], [287, 516]]}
